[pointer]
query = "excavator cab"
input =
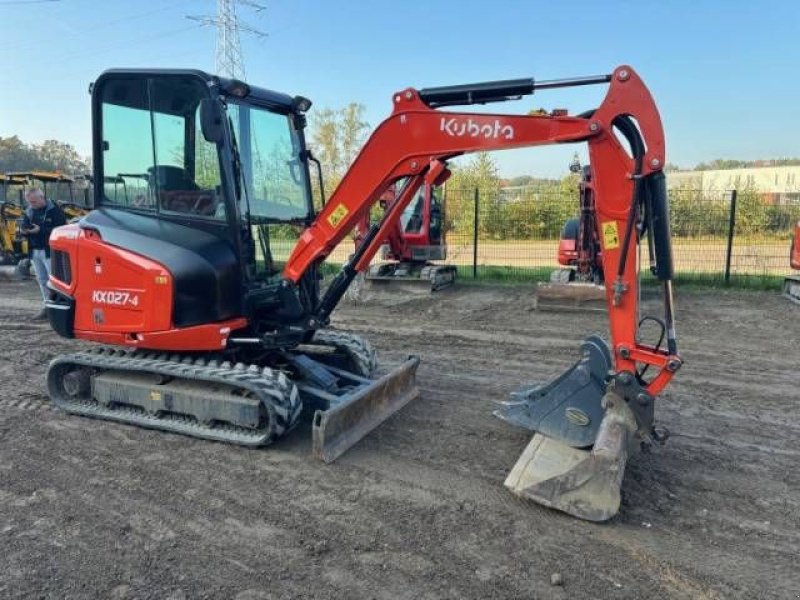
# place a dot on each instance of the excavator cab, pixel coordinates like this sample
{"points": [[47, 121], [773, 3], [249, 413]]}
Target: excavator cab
{"points": [[181, 269], [217, 177]]}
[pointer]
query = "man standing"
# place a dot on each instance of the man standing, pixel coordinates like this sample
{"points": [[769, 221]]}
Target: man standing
{"points": [[41, 217]]}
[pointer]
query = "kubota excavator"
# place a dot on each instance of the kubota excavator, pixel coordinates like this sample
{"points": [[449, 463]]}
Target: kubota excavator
{"points": [[210, 336], [579, 285], [417, 238], [791, 285]]}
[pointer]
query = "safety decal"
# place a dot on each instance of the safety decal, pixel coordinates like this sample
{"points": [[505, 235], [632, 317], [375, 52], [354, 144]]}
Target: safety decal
{"points": [[610, 235], [339, 213]]}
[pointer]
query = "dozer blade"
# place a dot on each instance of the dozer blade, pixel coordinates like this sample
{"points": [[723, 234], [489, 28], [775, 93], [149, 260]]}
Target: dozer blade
{"points": [[582, 483], [791, 289], [575, 296], [337, 429]]}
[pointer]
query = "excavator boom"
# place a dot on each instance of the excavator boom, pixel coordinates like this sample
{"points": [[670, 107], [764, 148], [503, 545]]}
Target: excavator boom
{"points": [[416, 140], [588, 421]]}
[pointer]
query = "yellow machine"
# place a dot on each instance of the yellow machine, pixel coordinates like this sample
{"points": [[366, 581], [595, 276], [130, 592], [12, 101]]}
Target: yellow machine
{"points": [[56, 187], [13, 247]]}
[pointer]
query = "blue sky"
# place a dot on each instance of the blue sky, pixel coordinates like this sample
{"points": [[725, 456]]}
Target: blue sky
{"points": [[724, 74]]}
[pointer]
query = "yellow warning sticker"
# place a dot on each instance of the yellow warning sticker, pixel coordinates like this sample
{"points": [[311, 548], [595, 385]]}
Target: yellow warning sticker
{"points": [[610, 235], [339, 213], [155, 396]]}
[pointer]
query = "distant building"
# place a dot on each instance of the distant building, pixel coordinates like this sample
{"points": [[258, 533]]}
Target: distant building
{"points": [[778, 185]]}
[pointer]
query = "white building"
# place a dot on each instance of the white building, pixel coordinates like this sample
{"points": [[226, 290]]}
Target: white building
{"points": [[779, 185]]}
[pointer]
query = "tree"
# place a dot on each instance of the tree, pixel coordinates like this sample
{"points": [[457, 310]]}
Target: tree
{"points": [[481, 174], [337, 137], [51, 155], [60, 156]]}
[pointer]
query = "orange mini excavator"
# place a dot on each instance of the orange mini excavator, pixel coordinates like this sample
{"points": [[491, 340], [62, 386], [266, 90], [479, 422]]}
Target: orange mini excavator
{"points": [[417, 239], [791, 285], [580, 284], [203, 332]]}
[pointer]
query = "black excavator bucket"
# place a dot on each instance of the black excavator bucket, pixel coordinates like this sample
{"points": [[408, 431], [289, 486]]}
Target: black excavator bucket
{"points": [[584, 431]]}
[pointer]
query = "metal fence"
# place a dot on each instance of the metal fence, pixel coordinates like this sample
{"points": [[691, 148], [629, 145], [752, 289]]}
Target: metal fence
{"points": [[718, 236]]}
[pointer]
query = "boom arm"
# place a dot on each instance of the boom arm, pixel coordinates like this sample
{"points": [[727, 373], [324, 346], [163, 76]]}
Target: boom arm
{"points": [[416, 140]]}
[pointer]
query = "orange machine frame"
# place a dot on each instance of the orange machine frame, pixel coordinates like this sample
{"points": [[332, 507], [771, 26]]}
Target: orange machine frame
{"points": [[416, 140]]}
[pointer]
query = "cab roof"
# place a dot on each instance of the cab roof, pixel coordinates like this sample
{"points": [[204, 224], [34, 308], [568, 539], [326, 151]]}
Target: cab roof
{"points": [[222, 85]]}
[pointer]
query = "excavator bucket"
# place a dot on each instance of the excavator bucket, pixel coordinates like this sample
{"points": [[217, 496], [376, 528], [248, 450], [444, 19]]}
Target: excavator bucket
{"points": [[584, 432], [353, 416], [584, 483]]}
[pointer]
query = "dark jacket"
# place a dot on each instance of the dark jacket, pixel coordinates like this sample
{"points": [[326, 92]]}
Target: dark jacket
{"points": [[47, 218]]}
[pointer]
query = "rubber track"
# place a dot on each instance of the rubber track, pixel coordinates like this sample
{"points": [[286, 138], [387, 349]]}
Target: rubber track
{"points": [[270, 386], [356, 347]]}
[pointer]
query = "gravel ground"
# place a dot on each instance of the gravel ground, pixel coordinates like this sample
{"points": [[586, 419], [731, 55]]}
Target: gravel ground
{"points": [[417, 510]]}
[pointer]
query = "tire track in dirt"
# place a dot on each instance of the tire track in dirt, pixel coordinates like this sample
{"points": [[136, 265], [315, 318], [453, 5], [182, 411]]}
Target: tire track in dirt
{"points": [[417, 508]]}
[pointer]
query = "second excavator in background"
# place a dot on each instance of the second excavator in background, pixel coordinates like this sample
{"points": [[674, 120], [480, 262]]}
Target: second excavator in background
{"points": [[13, 246], [417, 239], [791, 285], [579, 284], [56, 186]]}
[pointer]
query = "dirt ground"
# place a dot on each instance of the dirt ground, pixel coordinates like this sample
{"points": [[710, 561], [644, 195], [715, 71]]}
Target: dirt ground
{"points": [[417, 510]]}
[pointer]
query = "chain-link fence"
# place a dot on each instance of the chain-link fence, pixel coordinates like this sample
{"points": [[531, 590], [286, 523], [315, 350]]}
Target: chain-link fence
{"points": [[720, 235]]}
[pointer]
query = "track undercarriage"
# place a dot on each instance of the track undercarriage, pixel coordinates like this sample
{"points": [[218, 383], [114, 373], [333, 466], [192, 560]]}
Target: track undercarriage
{"points": [[428, 276], [245, 403]]}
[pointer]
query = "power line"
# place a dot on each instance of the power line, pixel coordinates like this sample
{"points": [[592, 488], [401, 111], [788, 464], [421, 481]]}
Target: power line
{"points": [[229, 60], [132, 42], [9, 2], [89, 30]]}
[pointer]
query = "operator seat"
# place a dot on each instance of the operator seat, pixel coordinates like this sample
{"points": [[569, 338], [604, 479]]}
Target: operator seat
{"points": [[170, 178], [179, 193]]}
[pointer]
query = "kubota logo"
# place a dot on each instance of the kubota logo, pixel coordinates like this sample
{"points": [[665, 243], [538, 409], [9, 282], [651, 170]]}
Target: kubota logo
{"points": [[115, 298], [460, 128]]}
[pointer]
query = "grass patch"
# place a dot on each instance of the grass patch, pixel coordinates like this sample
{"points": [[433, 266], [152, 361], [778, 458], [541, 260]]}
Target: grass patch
{"points": [[490, 274]]}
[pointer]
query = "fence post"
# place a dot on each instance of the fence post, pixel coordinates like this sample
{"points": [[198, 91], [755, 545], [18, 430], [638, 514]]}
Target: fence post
{"points": [[475, 240], [731, 228]]}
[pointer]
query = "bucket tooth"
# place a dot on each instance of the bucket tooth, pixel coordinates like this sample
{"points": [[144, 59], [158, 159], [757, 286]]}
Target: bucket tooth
{"points": [[583, 483]]}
